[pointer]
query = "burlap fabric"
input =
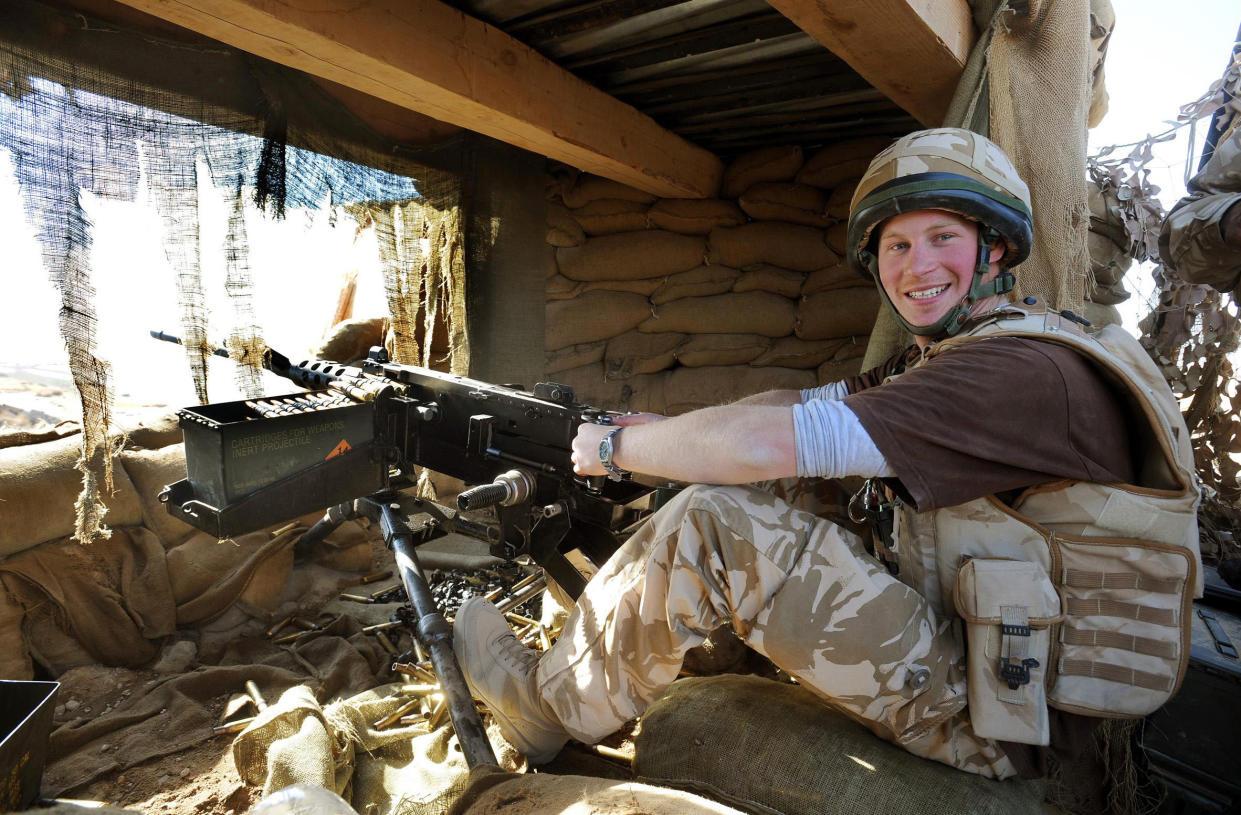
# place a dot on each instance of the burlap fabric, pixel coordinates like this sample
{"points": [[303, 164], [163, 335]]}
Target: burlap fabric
{"points": [[172, 712], [763, 746], [1040, 65], [398, 770]]}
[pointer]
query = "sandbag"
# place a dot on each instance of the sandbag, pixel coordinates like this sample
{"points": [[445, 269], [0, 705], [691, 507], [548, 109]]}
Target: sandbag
{"points": [[351, 340], [607, 216], [631, 256], [765, 164], [693, 388], [591, 387], [634, 353], [839, 276], [1108, 295], [837, 369], [112, 597], [21, 437], [595, 315], [840, 199], [763, 277], [530, 793], [151, 471], [837, 313], [753, 312], [839, 162], [208, 576], [153, 432], [782, 201], [768, 746], [574, 356], [694, 216], [14, 654], [838, 238], [589, 188], [793, 352], [1100, 315], [699, 282], [40, 487], [702, 350], [789, 246], [562, 288], [1108, 261], [562, 228]]}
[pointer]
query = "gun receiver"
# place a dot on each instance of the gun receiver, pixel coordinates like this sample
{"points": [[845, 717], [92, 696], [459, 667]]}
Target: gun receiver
{"points": [[363, 430]]}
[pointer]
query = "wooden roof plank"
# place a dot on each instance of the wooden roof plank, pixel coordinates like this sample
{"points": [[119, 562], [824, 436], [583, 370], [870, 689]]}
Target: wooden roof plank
{"points": [[912, 50], [429, 57]]}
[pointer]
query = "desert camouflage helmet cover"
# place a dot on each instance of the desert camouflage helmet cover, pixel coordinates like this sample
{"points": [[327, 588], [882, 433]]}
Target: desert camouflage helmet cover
{"points": [[944, 168]]}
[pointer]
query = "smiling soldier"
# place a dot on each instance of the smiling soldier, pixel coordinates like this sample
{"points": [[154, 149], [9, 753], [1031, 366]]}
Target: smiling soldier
{"points": [[1005, 443]]}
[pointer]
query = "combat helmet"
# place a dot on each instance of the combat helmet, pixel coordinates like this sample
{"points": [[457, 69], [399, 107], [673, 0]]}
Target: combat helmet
{"points": [[954, 170]]}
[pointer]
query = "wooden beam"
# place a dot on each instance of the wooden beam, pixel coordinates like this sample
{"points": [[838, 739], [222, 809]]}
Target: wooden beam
{"points": [[912, 50], [434, 59]]}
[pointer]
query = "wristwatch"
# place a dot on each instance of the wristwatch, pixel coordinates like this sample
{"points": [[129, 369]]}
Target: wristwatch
{"points": [[607, 449]]}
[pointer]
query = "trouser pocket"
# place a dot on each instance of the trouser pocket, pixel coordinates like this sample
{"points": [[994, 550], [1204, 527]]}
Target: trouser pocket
{"points": [[1008, 607]]}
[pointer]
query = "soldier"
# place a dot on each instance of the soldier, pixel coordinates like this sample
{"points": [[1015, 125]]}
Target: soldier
{"points": [[994, 435], [1201, 237]]}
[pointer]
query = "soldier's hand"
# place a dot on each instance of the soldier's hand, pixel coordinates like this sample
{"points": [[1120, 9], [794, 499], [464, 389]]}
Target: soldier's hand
{"points": [[586, 448]]}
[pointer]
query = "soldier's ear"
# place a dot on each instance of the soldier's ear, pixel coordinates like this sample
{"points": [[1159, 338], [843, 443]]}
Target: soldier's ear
{"points": [[997, 252]]}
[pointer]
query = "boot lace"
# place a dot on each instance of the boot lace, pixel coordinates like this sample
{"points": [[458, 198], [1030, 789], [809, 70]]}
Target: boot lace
{"points": [[513, 652]]}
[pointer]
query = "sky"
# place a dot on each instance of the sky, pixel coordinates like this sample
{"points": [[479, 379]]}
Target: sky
{"points": [[1161, 56]]}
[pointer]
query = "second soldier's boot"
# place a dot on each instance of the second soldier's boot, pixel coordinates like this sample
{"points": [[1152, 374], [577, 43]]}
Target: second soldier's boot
{"points": [[501, 673]]}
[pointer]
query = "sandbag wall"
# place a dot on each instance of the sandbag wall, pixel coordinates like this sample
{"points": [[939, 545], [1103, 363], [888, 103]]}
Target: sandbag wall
{"points": [[669, 305]]}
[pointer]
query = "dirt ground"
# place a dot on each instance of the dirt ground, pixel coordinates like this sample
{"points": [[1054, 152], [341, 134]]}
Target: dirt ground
{"points": [[198, 781]]}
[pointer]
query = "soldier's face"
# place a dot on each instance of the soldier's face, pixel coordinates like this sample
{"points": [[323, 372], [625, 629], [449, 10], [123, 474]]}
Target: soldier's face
{"points": [[926, 262]]}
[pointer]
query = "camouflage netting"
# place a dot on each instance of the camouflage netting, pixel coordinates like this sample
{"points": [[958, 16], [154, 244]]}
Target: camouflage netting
{"points": [[1192, 329], [90, 109]]}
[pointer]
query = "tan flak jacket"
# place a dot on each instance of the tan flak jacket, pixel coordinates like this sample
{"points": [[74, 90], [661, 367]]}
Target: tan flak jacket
{"points": [[1079, 595]]}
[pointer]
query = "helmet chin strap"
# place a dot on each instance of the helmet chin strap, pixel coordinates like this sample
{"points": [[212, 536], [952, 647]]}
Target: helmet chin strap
{"points": [[952, 322]]}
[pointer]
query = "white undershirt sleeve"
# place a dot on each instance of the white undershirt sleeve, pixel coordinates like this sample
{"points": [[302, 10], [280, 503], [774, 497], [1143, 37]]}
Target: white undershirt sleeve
{"points": [[832, 390], [831, 443]]}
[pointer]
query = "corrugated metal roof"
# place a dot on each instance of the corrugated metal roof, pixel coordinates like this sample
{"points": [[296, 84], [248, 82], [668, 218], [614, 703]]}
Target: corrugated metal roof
{"points": [[728, 75]]}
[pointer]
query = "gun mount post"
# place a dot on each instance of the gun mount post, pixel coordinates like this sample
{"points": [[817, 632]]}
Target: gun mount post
{"points": [[436, 635]]}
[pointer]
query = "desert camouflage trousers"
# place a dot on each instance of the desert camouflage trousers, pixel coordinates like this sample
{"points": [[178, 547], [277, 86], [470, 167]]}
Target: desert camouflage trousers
{"points": [[796, 588]]}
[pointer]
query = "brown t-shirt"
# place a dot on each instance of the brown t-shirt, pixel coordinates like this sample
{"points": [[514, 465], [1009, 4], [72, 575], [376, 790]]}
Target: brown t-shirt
{"points": [[995, 415]]}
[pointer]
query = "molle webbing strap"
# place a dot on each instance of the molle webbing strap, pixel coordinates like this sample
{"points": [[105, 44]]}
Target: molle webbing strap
{"points": [[1081, 579], [1116, 673], [1114, 608], [1014, 648], [1113, 639]]}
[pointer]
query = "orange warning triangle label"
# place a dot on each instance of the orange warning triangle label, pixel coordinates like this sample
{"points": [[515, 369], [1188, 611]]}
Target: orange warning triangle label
{"points": [[343, 447]]}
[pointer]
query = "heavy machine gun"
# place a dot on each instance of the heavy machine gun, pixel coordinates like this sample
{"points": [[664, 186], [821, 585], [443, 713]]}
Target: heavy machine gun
{"points": [[353, 444]]}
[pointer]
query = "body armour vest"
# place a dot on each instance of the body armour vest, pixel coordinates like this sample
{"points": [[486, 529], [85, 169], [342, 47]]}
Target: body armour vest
{"points": [[1076, 595]]}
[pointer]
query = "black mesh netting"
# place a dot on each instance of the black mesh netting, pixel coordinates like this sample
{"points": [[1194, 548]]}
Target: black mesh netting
{"points": [[90, 108]]}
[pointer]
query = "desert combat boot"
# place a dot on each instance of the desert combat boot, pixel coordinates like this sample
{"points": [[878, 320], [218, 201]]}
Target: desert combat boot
{"points": [[501, 673]]}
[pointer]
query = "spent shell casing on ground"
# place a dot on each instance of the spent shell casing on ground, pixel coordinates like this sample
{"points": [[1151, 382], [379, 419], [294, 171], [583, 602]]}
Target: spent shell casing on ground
{"points": [[252, 690], [419, 690], [287, 638], [395, 716], [376, 594], [375, 577], [306, 625], [232, 727], [386, 643], [275, 629], [370, 629], [357, 598]]}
